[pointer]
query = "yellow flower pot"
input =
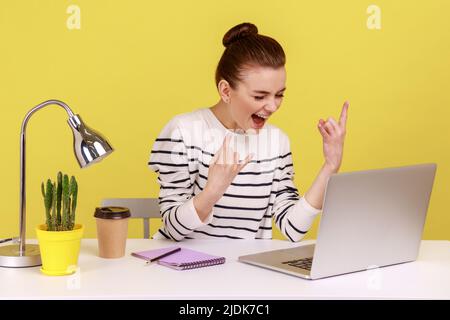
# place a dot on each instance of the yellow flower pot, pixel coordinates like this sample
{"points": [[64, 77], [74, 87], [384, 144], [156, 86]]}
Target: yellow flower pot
{"points": [[59, 249]]}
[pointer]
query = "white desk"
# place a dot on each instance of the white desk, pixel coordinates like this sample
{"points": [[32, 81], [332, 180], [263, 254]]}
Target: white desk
{"points": [[130, 278]]}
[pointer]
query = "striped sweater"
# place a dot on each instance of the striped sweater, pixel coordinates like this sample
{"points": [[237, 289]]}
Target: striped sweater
{"points": [[263, 190]]}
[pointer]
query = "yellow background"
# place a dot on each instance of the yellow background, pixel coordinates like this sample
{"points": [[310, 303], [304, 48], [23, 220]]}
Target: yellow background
{"points": [[133, 65]]}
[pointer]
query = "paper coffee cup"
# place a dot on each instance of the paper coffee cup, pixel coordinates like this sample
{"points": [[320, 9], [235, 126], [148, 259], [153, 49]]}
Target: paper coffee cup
{"points": [[112, 231]]}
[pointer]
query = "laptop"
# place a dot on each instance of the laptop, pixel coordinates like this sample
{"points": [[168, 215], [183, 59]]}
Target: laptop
{"points": [[371, 218]]}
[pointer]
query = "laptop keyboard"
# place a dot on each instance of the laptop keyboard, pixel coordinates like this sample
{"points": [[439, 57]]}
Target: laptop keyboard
{"points": [[305, 263]]}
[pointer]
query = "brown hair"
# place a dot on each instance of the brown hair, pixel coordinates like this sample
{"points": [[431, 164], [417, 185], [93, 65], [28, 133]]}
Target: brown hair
{"points": [[244, 47]]}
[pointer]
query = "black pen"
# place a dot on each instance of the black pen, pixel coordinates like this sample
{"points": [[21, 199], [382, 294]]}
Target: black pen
{"points": [[163, 255], [7, 240]]}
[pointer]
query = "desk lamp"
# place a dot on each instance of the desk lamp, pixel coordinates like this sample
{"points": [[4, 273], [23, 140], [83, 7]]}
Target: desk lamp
{"points": [[89, 147]]}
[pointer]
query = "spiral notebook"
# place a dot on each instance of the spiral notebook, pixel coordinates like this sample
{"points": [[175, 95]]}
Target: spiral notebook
{"points": [[181, 260]]}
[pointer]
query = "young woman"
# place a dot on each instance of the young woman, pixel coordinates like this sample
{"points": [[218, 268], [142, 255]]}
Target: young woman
{"points": [[223, 171]]}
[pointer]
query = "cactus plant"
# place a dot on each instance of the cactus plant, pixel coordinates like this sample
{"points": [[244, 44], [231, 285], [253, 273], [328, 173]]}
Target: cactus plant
{"points": [[74, 196], [58, 198], [60, 201], [48, 201]]}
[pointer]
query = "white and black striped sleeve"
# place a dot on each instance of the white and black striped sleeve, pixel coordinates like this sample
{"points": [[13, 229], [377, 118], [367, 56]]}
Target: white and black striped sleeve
{"points": [[293, 215], [169, 160]]}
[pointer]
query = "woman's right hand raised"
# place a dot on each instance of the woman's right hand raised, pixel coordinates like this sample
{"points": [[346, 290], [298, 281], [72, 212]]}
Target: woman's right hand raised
{"points": [[224, 167]]}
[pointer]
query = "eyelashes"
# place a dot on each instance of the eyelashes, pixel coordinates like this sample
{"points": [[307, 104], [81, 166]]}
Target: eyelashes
{"points": [[259, 98]]}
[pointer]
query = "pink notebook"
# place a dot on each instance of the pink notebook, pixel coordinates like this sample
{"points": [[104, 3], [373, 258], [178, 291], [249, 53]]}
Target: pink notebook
{"points": [[181, 260]]}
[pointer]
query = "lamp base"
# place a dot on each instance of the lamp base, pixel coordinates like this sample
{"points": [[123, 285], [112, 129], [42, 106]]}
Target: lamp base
{"points": [[11, 258]]}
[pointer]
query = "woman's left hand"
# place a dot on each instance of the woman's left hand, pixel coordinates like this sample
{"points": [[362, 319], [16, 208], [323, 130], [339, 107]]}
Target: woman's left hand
{"points": [[333, 134]]}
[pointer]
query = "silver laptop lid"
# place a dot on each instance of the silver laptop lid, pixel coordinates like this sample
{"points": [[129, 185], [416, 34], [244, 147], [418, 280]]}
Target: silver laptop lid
{"points": [[372, 218]]}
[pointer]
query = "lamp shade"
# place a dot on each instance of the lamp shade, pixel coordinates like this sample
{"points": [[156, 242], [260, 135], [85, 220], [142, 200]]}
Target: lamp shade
{"points": [[89, 145]]}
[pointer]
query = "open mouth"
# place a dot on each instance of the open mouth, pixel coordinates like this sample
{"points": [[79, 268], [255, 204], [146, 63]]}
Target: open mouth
{"points": [[258, 120]]}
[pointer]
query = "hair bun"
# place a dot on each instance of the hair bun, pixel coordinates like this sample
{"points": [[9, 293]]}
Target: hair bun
{"points": [[238, 32]]}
